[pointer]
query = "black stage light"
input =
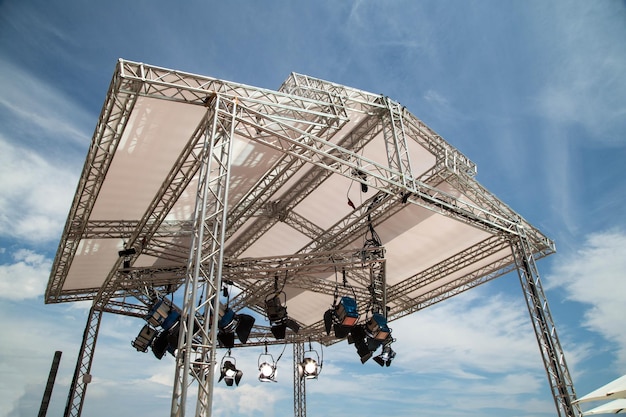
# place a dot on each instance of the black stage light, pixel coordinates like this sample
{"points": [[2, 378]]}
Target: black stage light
{"points": [[359, 338], [229, 372], [387, 355], [279, 330], [377, 327], [277, 314], [231, 323], [127, 252], [275, 309], [144, 338], [342, 317], [160, 344]]}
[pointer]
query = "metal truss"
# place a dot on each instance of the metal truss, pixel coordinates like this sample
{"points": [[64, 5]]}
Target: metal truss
{"points": [[302, 121], [360, 136], [551, 352], [82, 376], [113, 118], [299, 384], [196, 351]]}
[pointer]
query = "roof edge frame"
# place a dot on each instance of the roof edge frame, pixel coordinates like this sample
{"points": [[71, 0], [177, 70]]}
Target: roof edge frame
{"points": [[108, 132]]}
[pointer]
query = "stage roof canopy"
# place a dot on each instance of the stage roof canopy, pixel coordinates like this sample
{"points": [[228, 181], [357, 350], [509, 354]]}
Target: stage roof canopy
{"points": [[319, 174]]}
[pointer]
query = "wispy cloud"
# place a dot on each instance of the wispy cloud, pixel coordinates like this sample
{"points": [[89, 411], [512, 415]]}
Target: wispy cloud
{"points": [[595, 276], [584, 85], [38, 111], [35, 195], [26, 277]]}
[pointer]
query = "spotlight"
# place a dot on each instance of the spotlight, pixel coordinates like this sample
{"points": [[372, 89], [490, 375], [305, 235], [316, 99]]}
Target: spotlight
{"points": [[342, 317], [276, 311], [387, 355], [310, 367], [229, 372], [144, 338], [359, 338], [164, 315], [377, 328], [369, 336], [347, 312], [267, 367], [231, 323], [160, 345], [126, 254], [363, 177]]}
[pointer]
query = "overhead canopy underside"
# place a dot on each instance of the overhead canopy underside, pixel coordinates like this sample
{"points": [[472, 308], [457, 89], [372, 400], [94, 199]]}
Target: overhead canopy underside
{"points": [[312, 167]]}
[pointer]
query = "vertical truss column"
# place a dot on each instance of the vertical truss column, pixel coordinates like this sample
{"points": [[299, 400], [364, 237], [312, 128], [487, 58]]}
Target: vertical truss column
{"points": [[299, 387], [378, 286], [198, 324], [545, 331], [82, 376], [395, 141]]}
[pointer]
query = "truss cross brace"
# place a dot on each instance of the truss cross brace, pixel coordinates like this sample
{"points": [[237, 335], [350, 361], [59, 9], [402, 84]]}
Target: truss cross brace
{"points": [[552, 354]]}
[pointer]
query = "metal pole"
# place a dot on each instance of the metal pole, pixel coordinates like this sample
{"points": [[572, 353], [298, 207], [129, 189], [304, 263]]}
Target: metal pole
{"points": [[45, 401]]}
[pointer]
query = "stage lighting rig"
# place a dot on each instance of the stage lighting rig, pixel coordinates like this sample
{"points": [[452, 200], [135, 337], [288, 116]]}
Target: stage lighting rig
{"points": [[231, 323], [387, 355], [165, 316], [370, 336], [127, 253], [267, 366], [276, 310], [344, 314], [311, 366], [341, 317], [228, 370], [144, 339]]}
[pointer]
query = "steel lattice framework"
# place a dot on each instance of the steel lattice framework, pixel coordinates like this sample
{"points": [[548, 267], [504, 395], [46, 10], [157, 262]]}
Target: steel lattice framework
{"points": [[192, 184]]}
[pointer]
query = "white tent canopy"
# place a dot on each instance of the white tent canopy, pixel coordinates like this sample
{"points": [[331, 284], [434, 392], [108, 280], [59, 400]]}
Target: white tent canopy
{"points": [[613, 390], [612, 407]]}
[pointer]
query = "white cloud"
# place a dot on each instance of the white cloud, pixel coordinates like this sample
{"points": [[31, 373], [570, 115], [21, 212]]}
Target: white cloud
{"points": [[35, 195], [39, 109], [26, 277], [595, 275], [585, 86], [247, 400], [468, 335]]}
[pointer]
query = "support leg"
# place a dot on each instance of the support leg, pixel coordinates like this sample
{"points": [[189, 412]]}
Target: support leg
{"points": [[549, 345], [299, 387], [82, 376], [196, 351]]}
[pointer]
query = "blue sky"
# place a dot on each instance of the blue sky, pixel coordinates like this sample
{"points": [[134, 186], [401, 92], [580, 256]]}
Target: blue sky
{"points": [[533, 92]]}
